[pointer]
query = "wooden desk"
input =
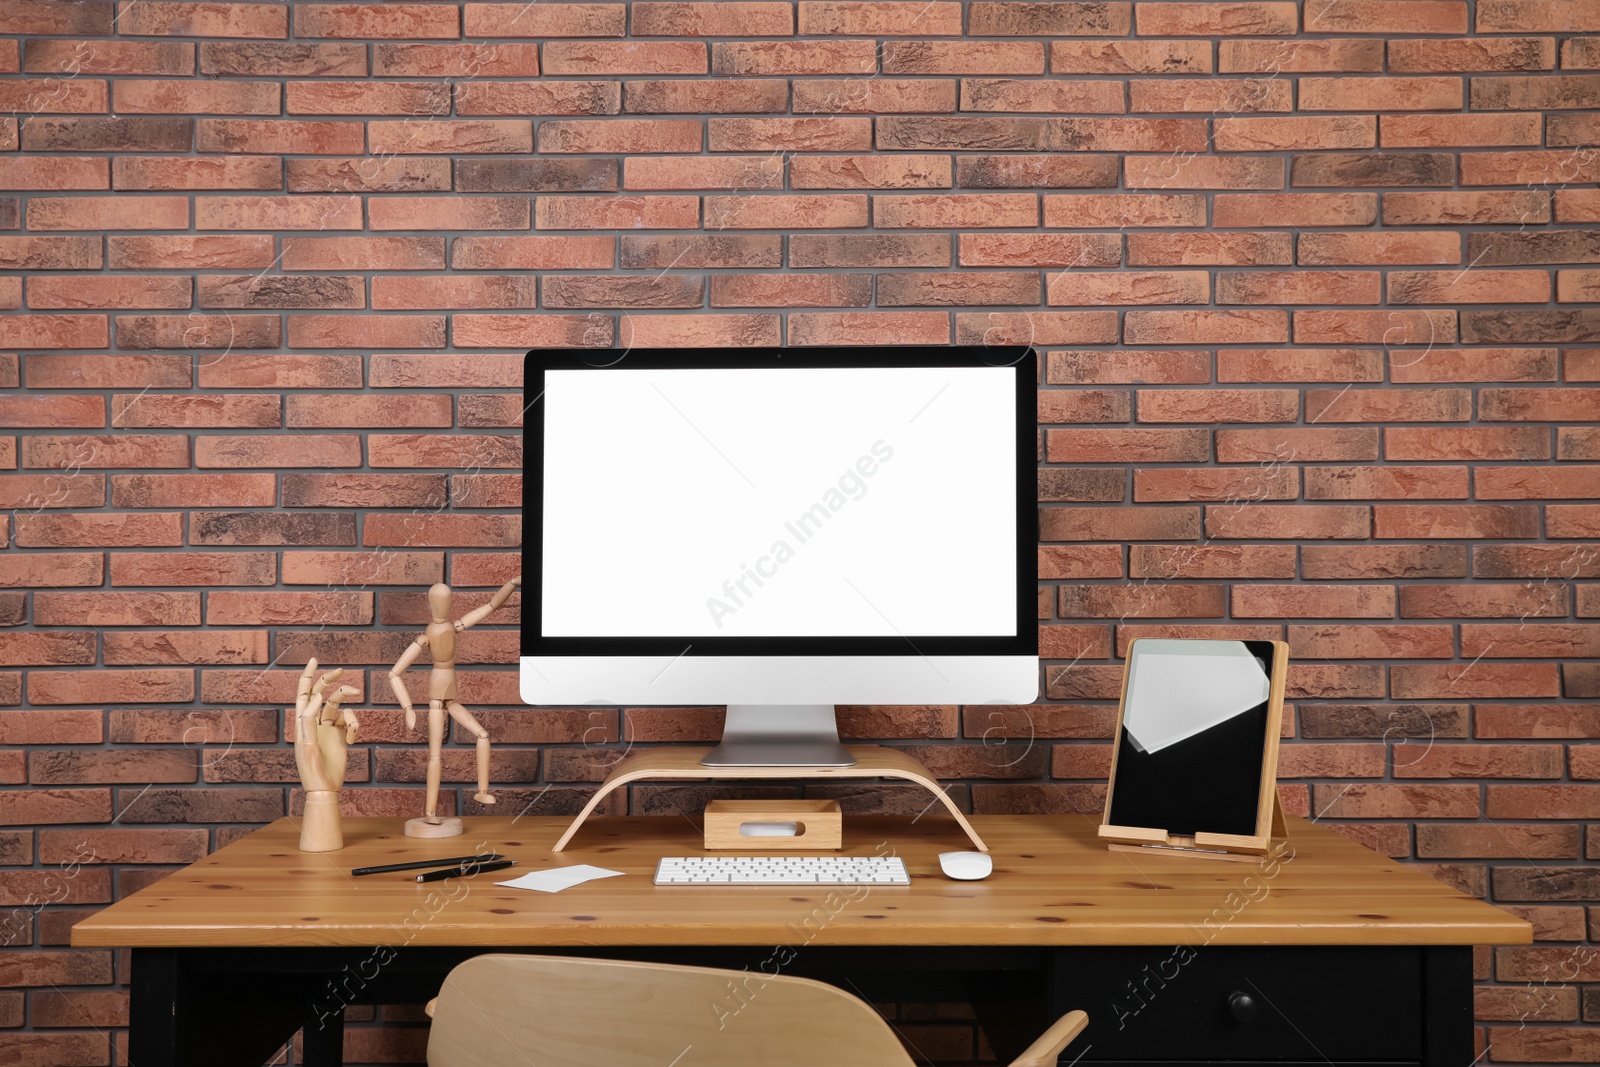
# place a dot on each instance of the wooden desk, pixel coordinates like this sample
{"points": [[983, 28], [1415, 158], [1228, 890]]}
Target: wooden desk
{"points": [[1345, 955]]}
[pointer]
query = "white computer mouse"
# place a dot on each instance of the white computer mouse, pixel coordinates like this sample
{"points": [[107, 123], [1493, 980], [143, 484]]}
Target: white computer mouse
{"points": [[966, 866]]}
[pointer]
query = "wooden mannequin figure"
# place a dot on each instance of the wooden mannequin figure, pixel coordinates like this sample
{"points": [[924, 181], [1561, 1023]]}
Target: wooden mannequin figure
{"points": [[440, 640], [322, 734]]}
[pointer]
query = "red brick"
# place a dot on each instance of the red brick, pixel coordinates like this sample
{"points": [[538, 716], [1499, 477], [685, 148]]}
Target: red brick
{"points": [[200, 172], [617, 212], [377, 20], [621, 135], [113, 450], [831, 96], [1519, 206], [465, 61], [160, 19], [363, 490], [450, 291], [381, 331], [1211, 561], [1397, 327], [1079, 562], [1536, 483], [532, 331], [963, 57], [1053, 96], [450, 136], [803, 290], [161, 96], [1126, 57], [278, 212], [1122, 210], [470, 451], [1385, 483], [1127, 446], [1141, 601], [1381, 801], [868, 172], [794, 57], [366, 98], [1299, 365], [1472, 521], [65, 569], [1467, 442], [784, 211], [867, 327], [1053, 171], [542, 252], [1526, 639], [633, 57], [1223, 484], [1367, 642], [56, 174], [1040, 250], [278, 451], [331, 608], [246, 371], [108, 213], [180, 251], [1496, 841], [1543, 802], [678, 331], [1215, 19], [391, 174], [1205, 327], [668, 97], [1540, 405], [704, 172], [1129, 287], [1301, 132], [63, 411], [50, 253], [1215, 405], [1128, 365], [1295, 209], [1338, 249], [99, 530], [1287, 521], [116, 609], [101, 371], [545, 20], [743, 19], [1465, 681], [292, 59], [1372, 16], [151, 686], [446, 531], [193, 568]]}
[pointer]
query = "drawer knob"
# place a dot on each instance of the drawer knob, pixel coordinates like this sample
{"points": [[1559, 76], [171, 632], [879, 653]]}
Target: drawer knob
{"points": [[1242, 1005]]}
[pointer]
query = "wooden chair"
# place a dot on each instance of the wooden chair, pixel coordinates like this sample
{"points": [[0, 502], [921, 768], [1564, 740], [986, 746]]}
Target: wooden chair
{"points": [[554, 1011]]}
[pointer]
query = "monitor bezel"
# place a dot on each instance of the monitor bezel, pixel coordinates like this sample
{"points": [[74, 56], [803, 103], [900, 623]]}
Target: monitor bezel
{"points": [[1023, 359]]}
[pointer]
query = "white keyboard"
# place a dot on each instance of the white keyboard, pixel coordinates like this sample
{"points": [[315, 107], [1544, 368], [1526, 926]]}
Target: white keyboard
{"points": [[782, 870]]}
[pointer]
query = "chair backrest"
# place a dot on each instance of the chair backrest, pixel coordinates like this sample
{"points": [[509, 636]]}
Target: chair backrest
{"points": [[553, 1011]]}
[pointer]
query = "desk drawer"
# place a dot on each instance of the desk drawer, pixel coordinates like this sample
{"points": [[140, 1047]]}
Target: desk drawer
{"points": [[1264, 1004]]}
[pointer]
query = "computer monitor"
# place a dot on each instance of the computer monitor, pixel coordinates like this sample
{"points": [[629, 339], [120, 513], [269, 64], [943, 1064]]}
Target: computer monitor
{"points": [[780, 531]]}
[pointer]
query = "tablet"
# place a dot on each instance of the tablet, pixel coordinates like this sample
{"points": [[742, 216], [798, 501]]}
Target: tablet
{"points": [[1196, 749]]}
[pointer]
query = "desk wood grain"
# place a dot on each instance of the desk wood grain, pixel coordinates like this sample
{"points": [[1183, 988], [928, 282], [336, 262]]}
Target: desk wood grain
{"points": [[1053, 884]]}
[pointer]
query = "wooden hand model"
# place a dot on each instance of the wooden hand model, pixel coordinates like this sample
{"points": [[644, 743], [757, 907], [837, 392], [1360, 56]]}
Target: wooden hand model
{"points": [[322, 733], [439, 639]]}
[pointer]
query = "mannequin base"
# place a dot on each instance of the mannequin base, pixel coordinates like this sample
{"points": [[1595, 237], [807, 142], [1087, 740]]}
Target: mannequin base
{"points": [[451, 827]]}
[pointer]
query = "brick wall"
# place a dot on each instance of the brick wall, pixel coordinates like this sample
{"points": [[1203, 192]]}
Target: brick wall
{"points": [[1317, 287]]}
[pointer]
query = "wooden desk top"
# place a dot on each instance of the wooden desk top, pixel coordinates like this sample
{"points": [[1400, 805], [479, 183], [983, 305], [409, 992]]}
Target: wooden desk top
{"points": [[1053, 884]]}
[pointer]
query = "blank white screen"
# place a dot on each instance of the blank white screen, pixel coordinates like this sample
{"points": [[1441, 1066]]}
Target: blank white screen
{"points": [[674, 499]]}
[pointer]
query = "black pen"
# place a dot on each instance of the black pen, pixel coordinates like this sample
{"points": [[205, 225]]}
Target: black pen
{"points": [[417, 865], [465, 869]]}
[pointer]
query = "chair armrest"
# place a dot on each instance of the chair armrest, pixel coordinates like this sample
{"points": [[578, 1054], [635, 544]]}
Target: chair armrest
{"points": [[1044, 1051]]}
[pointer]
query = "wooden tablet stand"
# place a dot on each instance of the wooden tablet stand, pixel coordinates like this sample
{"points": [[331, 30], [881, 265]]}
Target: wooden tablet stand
{"points": [[1235, 847], [1269, 808], [683, 764]]}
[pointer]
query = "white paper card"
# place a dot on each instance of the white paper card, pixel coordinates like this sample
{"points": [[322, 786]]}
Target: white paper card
{"points": [[1173, 697], [558, 878]]}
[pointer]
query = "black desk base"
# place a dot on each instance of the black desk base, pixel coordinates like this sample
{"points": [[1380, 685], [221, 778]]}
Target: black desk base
{"points": [[1148, 1006]]}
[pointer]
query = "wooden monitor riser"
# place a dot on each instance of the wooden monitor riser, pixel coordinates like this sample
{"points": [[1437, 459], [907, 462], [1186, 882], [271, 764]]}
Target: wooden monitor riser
{"points": [[681, 764]]}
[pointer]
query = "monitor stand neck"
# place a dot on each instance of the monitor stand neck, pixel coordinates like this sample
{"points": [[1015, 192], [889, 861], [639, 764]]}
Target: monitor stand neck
{"points": [[780, 735]]}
